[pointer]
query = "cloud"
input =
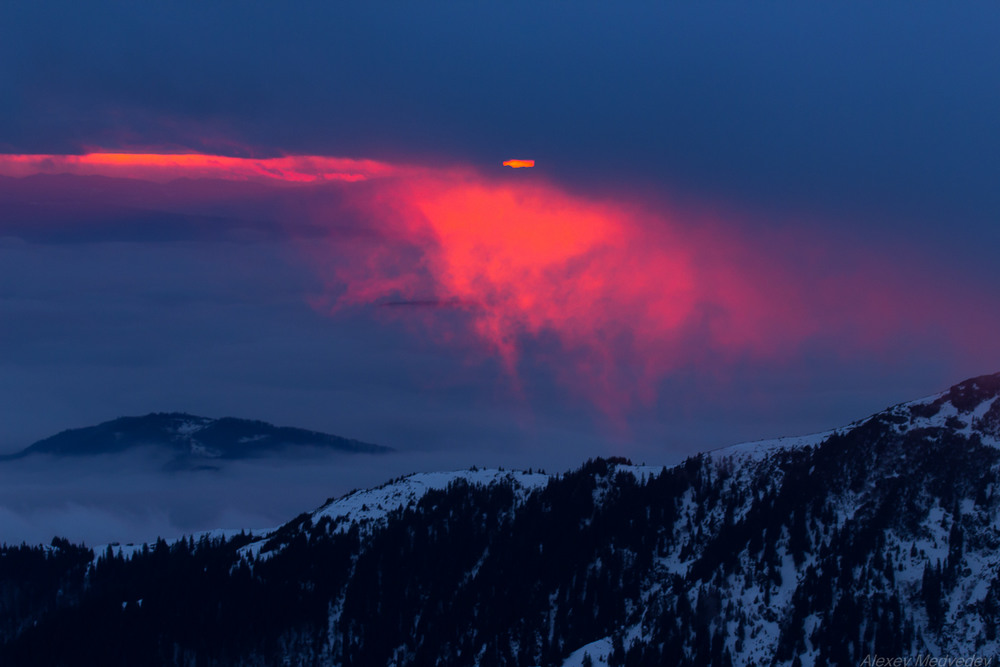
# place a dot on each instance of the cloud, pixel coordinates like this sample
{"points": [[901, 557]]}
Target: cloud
{"points": [[161, 167], [129, 498], [610, 295], [621, 294]]}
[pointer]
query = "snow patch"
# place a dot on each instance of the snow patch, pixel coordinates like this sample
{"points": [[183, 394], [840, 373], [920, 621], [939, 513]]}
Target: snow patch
{"points": [[599, 652]]}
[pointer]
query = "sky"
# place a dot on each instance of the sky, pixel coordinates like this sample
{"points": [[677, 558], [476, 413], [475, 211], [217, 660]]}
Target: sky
{"points": [[743, 221]]}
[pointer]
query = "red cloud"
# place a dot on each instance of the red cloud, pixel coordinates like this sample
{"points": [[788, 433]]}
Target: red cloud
{"points": [[620, 293], [631, 294], [162, 167]]}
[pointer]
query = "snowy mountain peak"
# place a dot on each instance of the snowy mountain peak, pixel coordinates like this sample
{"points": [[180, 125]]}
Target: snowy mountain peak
{"points": [[968, 408], [968, 395], [371, 505], [369, 509]]}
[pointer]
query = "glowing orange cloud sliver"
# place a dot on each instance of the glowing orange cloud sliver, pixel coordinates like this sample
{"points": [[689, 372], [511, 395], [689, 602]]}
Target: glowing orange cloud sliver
{"points": [[166, 167], [518, 164]]}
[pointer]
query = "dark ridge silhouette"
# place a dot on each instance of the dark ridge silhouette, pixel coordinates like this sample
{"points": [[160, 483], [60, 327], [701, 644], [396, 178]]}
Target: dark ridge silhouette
{"points": [[190, 437]]}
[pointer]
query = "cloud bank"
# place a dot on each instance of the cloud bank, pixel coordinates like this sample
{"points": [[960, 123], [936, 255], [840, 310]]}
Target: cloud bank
{"points": [[609, 295]]}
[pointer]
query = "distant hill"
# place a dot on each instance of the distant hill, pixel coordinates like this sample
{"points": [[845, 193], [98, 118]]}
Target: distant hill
{"points": [[191, 439]]}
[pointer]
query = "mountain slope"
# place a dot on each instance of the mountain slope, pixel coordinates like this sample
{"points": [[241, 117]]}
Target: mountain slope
{"points": [[190, 438], [879, 539]]}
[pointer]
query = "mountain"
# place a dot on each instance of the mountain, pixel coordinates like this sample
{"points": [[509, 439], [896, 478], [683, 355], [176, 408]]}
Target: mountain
{"points": [[878, 540], [191, 440]]}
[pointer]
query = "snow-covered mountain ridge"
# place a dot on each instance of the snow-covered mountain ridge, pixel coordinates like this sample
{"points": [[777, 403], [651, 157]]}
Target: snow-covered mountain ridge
{"points": [[881, 538], [368, 509], [971, 407]]}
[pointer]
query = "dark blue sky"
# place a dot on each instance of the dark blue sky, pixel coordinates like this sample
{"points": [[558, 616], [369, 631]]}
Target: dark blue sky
{"points": [[872, 125], [884, 111]]}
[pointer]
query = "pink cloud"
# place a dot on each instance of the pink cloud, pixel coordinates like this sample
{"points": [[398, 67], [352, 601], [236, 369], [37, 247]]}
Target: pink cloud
{"points": [[624, 292]]}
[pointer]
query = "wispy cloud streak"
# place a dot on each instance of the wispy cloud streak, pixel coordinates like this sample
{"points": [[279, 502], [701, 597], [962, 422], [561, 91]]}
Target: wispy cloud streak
{"points": [[165, 167]]}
